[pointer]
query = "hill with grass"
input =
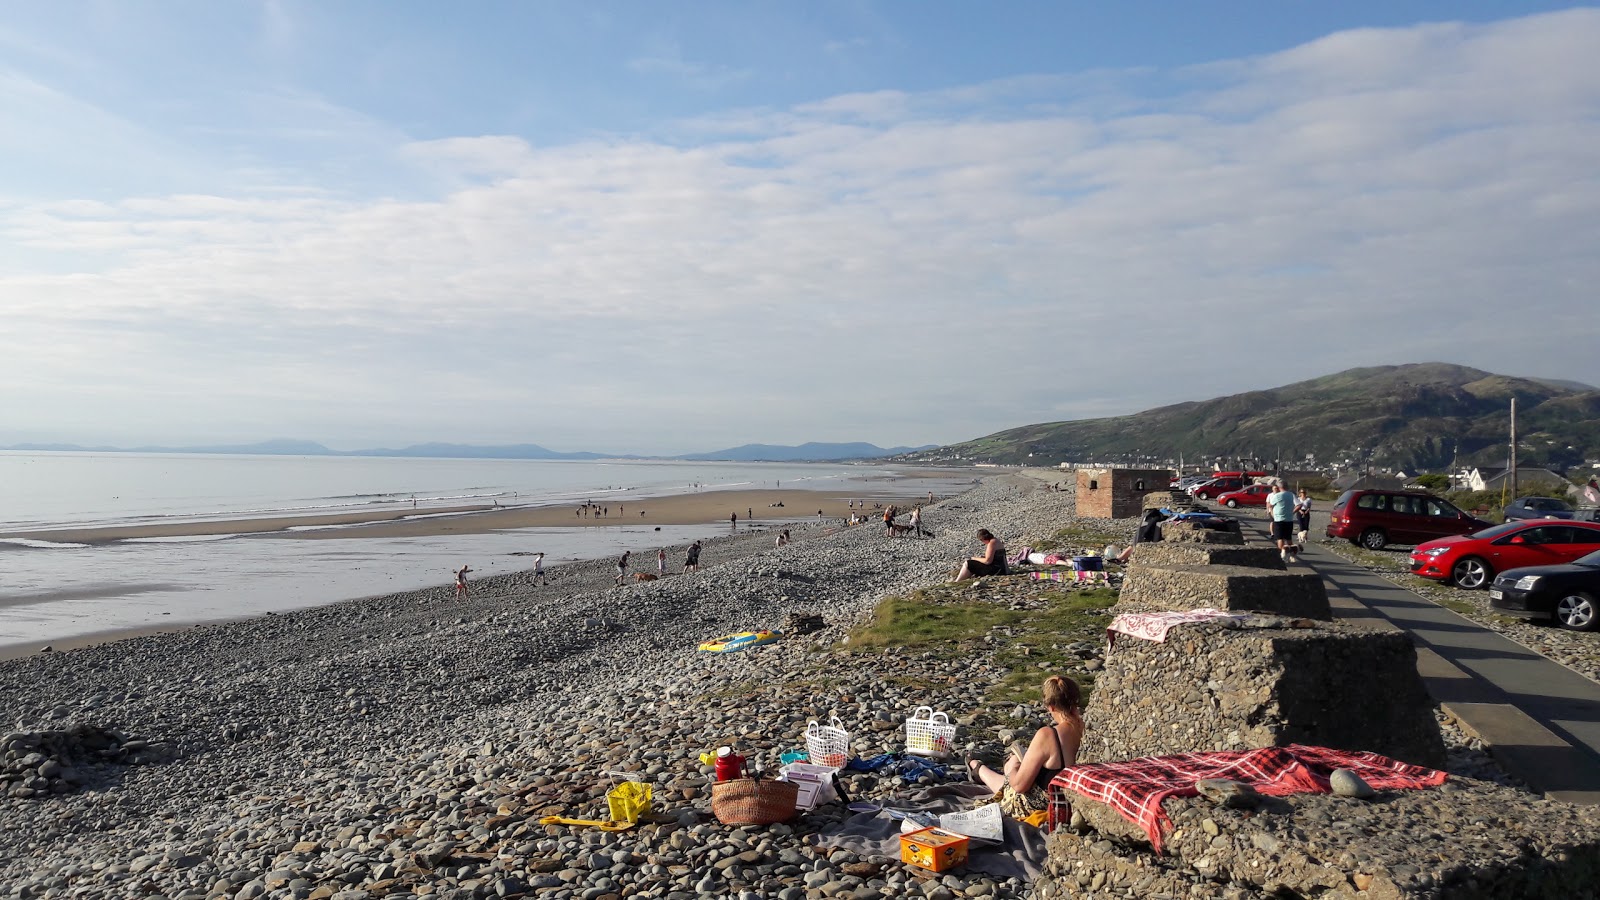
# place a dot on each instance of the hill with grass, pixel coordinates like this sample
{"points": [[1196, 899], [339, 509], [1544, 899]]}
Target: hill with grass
{"points": [[1418, 417]]}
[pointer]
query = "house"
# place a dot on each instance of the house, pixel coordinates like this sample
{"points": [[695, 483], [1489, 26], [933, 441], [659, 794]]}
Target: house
{"points": [[1487, 478]]}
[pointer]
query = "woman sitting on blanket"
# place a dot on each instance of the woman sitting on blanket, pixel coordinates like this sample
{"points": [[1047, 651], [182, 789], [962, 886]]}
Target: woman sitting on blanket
{"points": [[1021, 788], [992, 562]]}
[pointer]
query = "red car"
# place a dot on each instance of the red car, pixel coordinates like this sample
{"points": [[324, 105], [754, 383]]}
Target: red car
{"points": [[1216, 487], [1471, 560], [1254, 495]]}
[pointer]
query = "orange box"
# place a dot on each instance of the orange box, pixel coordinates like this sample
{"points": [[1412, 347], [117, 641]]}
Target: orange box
{"points": [[933, 848]]}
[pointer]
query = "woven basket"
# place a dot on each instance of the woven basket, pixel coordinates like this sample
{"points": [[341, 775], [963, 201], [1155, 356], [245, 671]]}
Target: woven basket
{"points": [[751, 801]]}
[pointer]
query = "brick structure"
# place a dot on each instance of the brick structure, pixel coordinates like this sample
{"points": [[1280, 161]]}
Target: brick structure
{"points": [[1117, 493]]}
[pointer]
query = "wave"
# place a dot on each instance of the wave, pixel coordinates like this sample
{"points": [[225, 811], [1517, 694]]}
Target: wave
{"points": [[181, 539], [31, 544]]}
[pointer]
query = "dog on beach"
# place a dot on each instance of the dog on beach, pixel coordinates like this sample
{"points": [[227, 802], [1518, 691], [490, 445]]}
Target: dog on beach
{"points": [[895, 529], [644, 576]]}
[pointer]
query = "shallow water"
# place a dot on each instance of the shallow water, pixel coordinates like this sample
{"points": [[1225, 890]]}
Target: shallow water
{"points": [[51, 591]]}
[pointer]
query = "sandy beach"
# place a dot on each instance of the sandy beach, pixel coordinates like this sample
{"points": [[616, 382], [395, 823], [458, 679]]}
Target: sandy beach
{"points": [[753, 507]]}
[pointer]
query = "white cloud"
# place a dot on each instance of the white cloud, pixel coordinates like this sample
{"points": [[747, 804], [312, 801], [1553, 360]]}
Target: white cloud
{"points": [[890, 267]]}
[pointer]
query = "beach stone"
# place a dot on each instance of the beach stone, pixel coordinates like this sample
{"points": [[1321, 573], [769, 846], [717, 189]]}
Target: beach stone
{"points": [[1232, 794], [1346, 783]]}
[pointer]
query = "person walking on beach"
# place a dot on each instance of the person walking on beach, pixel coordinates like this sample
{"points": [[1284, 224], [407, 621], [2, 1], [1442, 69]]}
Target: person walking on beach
{"points": [[538, 568], [916, 521], [622, 566], [661, 562], [1302, 519], [734, 519], [691, 559], [1280, 504], [461, 582]]}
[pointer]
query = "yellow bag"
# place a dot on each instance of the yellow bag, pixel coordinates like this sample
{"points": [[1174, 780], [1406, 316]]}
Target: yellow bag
{"points": [[628, 801]]}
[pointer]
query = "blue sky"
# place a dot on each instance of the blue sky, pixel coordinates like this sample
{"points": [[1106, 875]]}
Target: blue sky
{"points": [[649, 227]]}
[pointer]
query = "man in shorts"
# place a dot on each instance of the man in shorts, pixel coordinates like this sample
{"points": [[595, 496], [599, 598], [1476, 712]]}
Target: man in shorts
{"points": [[1280, 504], [622, 566], [691, 559]]}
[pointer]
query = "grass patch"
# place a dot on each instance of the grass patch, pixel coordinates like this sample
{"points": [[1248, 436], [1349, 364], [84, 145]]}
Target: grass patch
{"points": [[1086, 535], [922, 620], [1031, 642]]}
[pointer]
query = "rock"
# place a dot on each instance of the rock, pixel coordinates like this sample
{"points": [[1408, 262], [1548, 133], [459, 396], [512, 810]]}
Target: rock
{"points": [[1346, 783], [1232, 794]]}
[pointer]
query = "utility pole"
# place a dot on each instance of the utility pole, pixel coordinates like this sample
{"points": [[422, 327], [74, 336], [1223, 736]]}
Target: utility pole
{"points": [[1513, 448]]}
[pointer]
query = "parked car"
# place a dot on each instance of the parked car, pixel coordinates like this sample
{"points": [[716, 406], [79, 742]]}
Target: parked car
{"points": [[1471, 560], [1216, 487], [1569, 593], [1374, 519], [1539, 508], [1253, 495], [1189, 481]]}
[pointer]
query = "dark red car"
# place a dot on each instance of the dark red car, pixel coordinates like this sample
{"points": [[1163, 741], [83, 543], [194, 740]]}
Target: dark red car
{"points": [[1472, 560]]}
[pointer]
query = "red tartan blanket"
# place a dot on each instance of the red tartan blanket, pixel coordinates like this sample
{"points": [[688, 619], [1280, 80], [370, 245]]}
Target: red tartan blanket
{"points": [[1137, 787]]}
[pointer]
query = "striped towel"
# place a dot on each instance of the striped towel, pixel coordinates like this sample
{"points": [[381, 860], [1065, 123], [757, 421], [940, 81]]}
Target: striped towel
{"points": [[1154, 626], [1137, 787]]}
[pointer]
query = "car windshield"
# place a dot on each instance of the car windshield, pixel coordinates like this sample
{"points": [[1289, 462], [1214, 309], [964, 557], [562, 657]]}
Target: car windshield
{"points": [[1591, 561], [1497, 530], [1549, 503]]}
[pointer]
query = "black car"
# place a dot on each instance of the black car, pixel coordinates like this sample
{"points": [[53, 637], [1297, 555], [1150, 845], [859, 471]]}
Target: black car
{"points": [[1538, 508], [1568, 593]]}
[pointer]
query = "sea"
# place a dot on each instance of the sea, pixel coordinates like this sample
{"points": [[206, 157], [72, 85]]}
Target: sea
{"points": [[56, 590]]}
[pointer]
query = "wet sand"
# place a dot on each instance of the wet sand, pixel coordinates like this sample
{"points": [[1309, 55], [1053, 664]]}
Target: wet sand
{"points": [[754, 507]]}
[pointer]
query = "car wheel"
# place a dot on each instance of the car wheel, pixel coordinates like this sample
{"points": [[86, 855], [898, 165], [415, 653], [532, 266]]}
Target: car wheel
{"points": [[1374, 539], [1471, 573], [1233, 504], [1577, 611]]}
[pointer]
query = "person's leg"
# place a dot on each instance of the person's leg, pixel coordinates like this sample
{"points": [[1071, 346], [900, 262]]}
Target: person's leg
{"points": [[991, 779]]}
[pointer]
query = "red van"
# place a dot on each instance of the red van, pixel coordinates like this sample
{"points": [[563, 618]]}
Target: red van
{"points": [[1375, 518]]}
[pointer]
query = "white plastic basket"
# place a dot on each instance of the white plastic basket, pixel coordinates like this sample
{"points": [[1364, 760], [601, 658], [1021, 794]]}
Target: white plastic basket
{"points": [[929, 733], [828, 745]]}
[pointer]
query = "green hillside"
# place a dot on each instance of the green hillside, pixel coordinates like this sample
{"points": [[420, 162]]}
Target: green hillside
{"points": [[1422, 416]]}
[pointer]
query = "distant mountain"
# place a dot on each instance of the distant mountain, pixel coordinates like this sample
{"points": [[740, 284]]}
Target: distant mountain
{"points": [[469, 451], [1424, 416], [809, 452], [747, 453]]}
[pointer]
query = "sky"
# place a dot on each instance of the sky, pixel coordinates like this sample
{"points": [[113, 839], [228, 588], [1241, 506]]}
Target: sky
{"points": [[644, 227]]}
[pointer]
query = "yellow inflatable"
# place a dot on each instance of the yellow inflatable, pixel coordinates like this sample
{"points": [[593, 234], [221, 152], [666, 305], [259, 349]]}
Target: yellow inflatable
{"points": [[744, 640]]}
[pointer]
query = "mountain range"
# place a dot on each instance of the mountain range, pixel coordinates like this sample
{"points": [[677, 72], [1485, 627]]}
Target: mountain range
{"points": [[808, 452], [1416, 417]]}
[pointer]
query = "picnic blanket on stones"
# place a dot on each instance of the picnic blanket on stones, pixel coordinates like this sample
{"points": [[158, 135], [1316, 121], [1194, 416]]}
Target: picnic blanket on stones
{"points": [[1154, 626], [877, 834], [1137, 787]]}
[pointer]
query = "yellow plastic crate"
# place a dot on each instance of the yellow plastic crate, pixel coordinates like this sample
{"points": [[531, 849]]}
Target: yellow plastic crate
{"points": [[628, 801]]}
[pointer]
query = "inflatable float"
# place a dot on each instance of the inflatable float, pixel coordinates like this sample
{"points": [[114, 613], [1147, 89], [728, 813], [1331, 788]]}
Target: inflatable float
{"points": [[744, 640]]}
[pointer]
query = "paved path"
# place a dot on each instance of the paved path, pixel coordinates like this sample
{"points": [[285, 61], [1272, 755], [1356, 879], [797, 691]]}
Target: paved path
{"points": [[1540, 719]]}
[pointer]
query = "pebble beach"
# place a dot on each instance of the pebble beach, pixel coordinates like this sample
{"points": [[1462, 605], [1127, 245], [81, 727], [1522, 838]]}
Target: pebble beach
{"points": [[406, 745]]}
